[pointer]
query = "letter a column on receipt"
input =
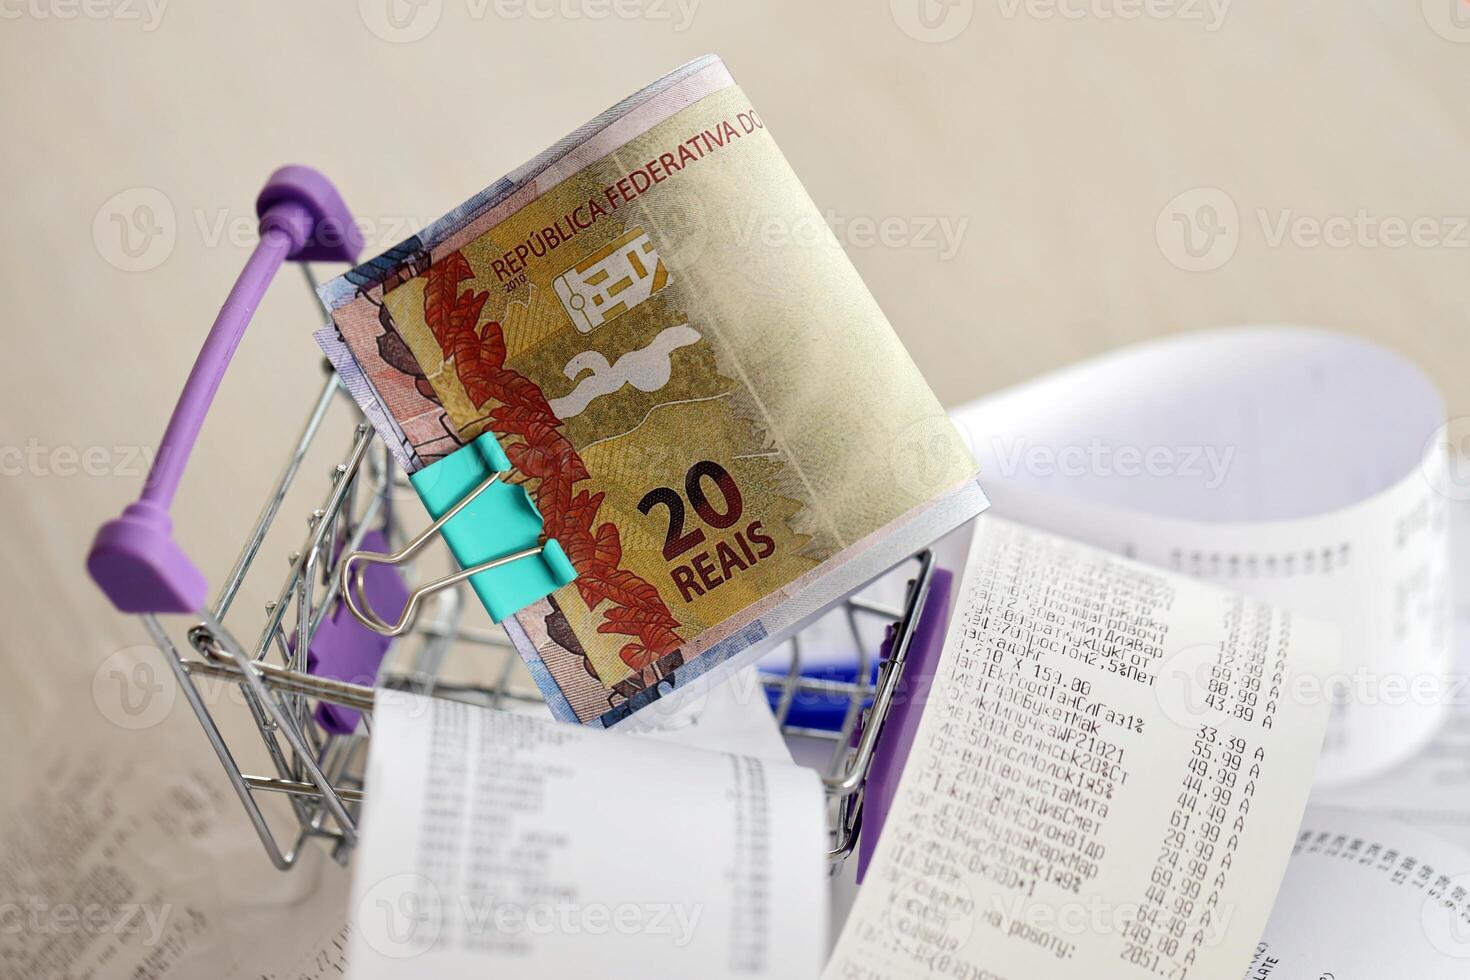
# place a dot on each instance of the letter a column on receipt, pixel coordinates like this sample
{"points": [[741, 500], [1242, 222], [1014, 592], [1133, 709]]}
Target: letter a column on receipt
{"points": [[1106, 779]]}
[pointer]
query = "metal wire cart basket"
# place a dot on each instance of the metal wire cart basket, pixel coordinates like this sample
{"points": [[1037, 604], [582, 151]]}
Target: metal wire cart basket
{"points": [[314, 724]]}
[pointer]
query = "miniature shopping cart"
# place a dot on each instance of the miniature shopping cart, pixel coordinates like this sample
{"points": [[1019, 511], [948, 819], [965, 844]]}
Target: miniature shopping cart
{"points": [[306, 672]]}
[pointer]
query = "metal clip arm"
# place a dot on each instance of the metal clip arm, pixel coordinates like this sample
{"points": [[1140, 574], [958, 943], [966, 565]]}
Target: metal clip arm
{"points": [[353, 567]]}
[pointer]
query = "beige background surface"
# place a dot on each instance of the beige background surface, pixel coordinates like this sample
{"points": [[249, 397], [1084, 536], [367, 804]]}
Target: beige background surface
{"points": [[1049, 147]]}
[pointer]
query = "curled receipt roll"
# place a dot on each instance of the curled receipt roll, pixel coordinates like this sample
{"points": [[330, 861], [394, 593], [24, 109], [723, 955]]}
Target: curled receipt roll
{"points": [[1297, 465]]}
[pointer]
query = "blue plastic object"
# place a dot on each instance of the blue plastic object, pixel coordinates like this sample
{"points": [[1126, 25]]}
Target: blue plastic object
{"points": [[501, 521], [824, 710]]}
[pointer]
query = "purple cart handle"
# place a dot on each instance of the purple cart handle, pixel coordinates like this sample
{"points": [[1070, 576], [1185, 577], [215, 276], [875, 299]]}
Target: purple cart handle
{"points": [[134, 558], [909, 701]]}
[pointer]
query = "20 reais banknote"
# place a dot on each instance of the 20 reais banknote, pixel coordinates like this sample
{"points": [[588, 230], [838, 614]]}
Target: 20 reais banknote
{"points": [[711, 413]]}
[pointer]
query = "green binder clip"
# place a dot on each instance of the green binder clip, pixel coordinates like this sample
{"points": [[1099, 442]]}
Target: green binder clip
{"points": [[493, 529]]}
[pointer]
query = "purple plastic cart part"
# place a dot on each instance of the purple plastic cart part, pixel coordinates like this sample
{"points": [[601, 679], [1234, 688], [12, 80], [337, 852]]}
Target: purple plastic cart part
{"points": [[909, 700], [345, 650], [134, 558]]}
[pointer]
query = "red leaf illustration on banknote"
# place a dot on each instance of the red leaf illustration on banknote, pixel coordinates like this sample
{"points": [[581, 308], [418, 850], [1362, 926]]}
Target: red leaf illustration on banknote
{"points": [[477, 361], [530, 434], [465, 315], [515, 391], [547, 455], [442, 296]]}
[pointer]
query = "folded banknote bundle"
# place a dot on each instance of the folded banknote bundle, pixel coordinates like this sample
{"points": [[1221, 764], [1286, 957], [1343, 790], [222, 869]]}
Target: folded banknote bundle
{"points": [[719, 426]]}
